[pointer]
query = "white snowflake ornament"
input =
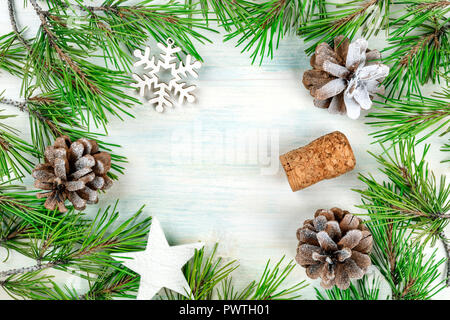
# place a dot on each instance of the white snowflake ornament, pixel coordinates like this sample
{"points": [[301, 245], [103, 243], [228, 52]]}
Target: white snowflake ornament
{"points": [[162, 91]]}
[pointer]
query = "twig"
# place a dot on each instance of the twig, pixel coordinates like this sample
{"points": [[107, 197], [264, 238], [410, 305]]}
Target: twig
{"points": [[350, 17], [408, 287], [62, 55], [12, 18], [23, 106], [447, 254], [433, 216], [39, 266], [430, 115], [434, 5], [108, 289], [19, 35], [273, 13], [391, 252], [13, 235], [422, 43], [24, 270]]}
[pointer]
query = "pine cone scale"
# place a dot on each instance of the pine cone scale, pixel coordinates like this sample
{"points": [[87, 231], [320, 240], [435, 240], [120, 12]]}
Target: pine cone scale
{"points": [[86, 161], [341, 44], [314, 271], [78, 202], [335, 69], [330, 89], [325, 242], [362, 260]]}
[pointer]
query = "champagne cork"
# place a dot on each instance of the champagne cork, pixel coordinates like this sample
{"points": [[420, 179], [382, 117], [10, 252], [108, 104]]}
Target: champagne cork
{"points": [[326, 157]]}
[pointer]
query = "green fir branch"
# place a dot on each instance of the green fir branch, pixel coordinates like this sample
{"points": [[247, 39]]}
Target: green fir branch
{"points": [[410, 193], [31, 285], [57, 58], [22, 214], [265, 25], [313, 8], [110, 284], [269, 286], [50, 117], [406, 118], [12, 54], [113, 26], [349, 19], [361, 289], [82, 246], [203, 274], [209, 276], [228, 13], [14, 151], [410, 273], [446, 148], [113, 284], [419, 46]]}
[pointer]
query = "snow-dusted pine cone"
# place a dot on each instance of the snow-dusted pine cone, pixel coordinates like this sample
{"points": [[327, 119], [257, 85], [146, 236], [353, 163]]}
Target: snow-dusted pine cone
{"points": [[73, 171], [334, 246], [344, 79]]}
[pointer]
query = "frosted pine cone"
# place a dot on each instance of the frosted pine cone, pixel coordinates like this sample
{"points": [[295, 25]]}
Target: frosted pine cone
{"points": [[73, 171], [334, 246], [344, 79]]}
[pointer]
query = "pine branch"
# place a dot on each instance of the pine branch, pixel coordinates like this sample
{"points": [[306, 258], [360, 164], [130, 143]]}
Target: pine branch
{"points": [[26, 286], [50, 117], [58, 60], [131, 25], [64, 57], [82, 246], [410, 274], [407, 118], [313, 8], [208, 276], [228, 13], [21, 213], [446, 148], [360, 290], [12, 54], [411, 192], [16, 31], [264, 25], [268, 287], [445, 243], [406, 211], [204, 274], [419, 50], [113, 284], [368, 17], [14, 162]]}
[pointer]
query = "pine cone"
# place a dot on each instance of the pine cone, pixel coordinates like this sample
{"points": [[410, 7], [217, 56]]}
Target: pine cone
{"points": [[344, 79], [73, 171], [334, 246]]}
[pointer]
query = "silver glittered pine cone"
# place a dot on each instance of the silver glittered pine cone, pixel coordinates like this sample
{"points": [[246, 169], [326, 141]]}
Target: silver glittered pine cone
{"points": [[335, 247], [73, 171], [345, 78]]}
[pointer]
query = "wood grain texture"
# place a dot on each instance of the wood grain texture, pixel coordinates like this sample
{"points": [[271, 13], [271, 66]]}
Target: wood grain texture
{"points": [[199, 170]]}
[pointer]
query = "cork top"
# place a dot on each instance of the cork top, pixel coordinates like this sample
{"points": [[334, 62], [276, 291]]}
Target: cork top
{"points": [[324, 158]]}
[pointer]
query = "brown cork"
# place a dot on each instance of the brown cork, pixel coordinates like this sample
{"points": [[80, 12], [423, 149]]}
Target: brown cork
{"points": [[326, 157]]}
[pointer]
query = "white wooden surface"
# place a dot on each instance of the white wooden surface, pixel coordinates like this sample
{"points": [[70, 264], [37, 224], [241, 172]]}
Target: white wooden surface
{"points": [[191, 168]]}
